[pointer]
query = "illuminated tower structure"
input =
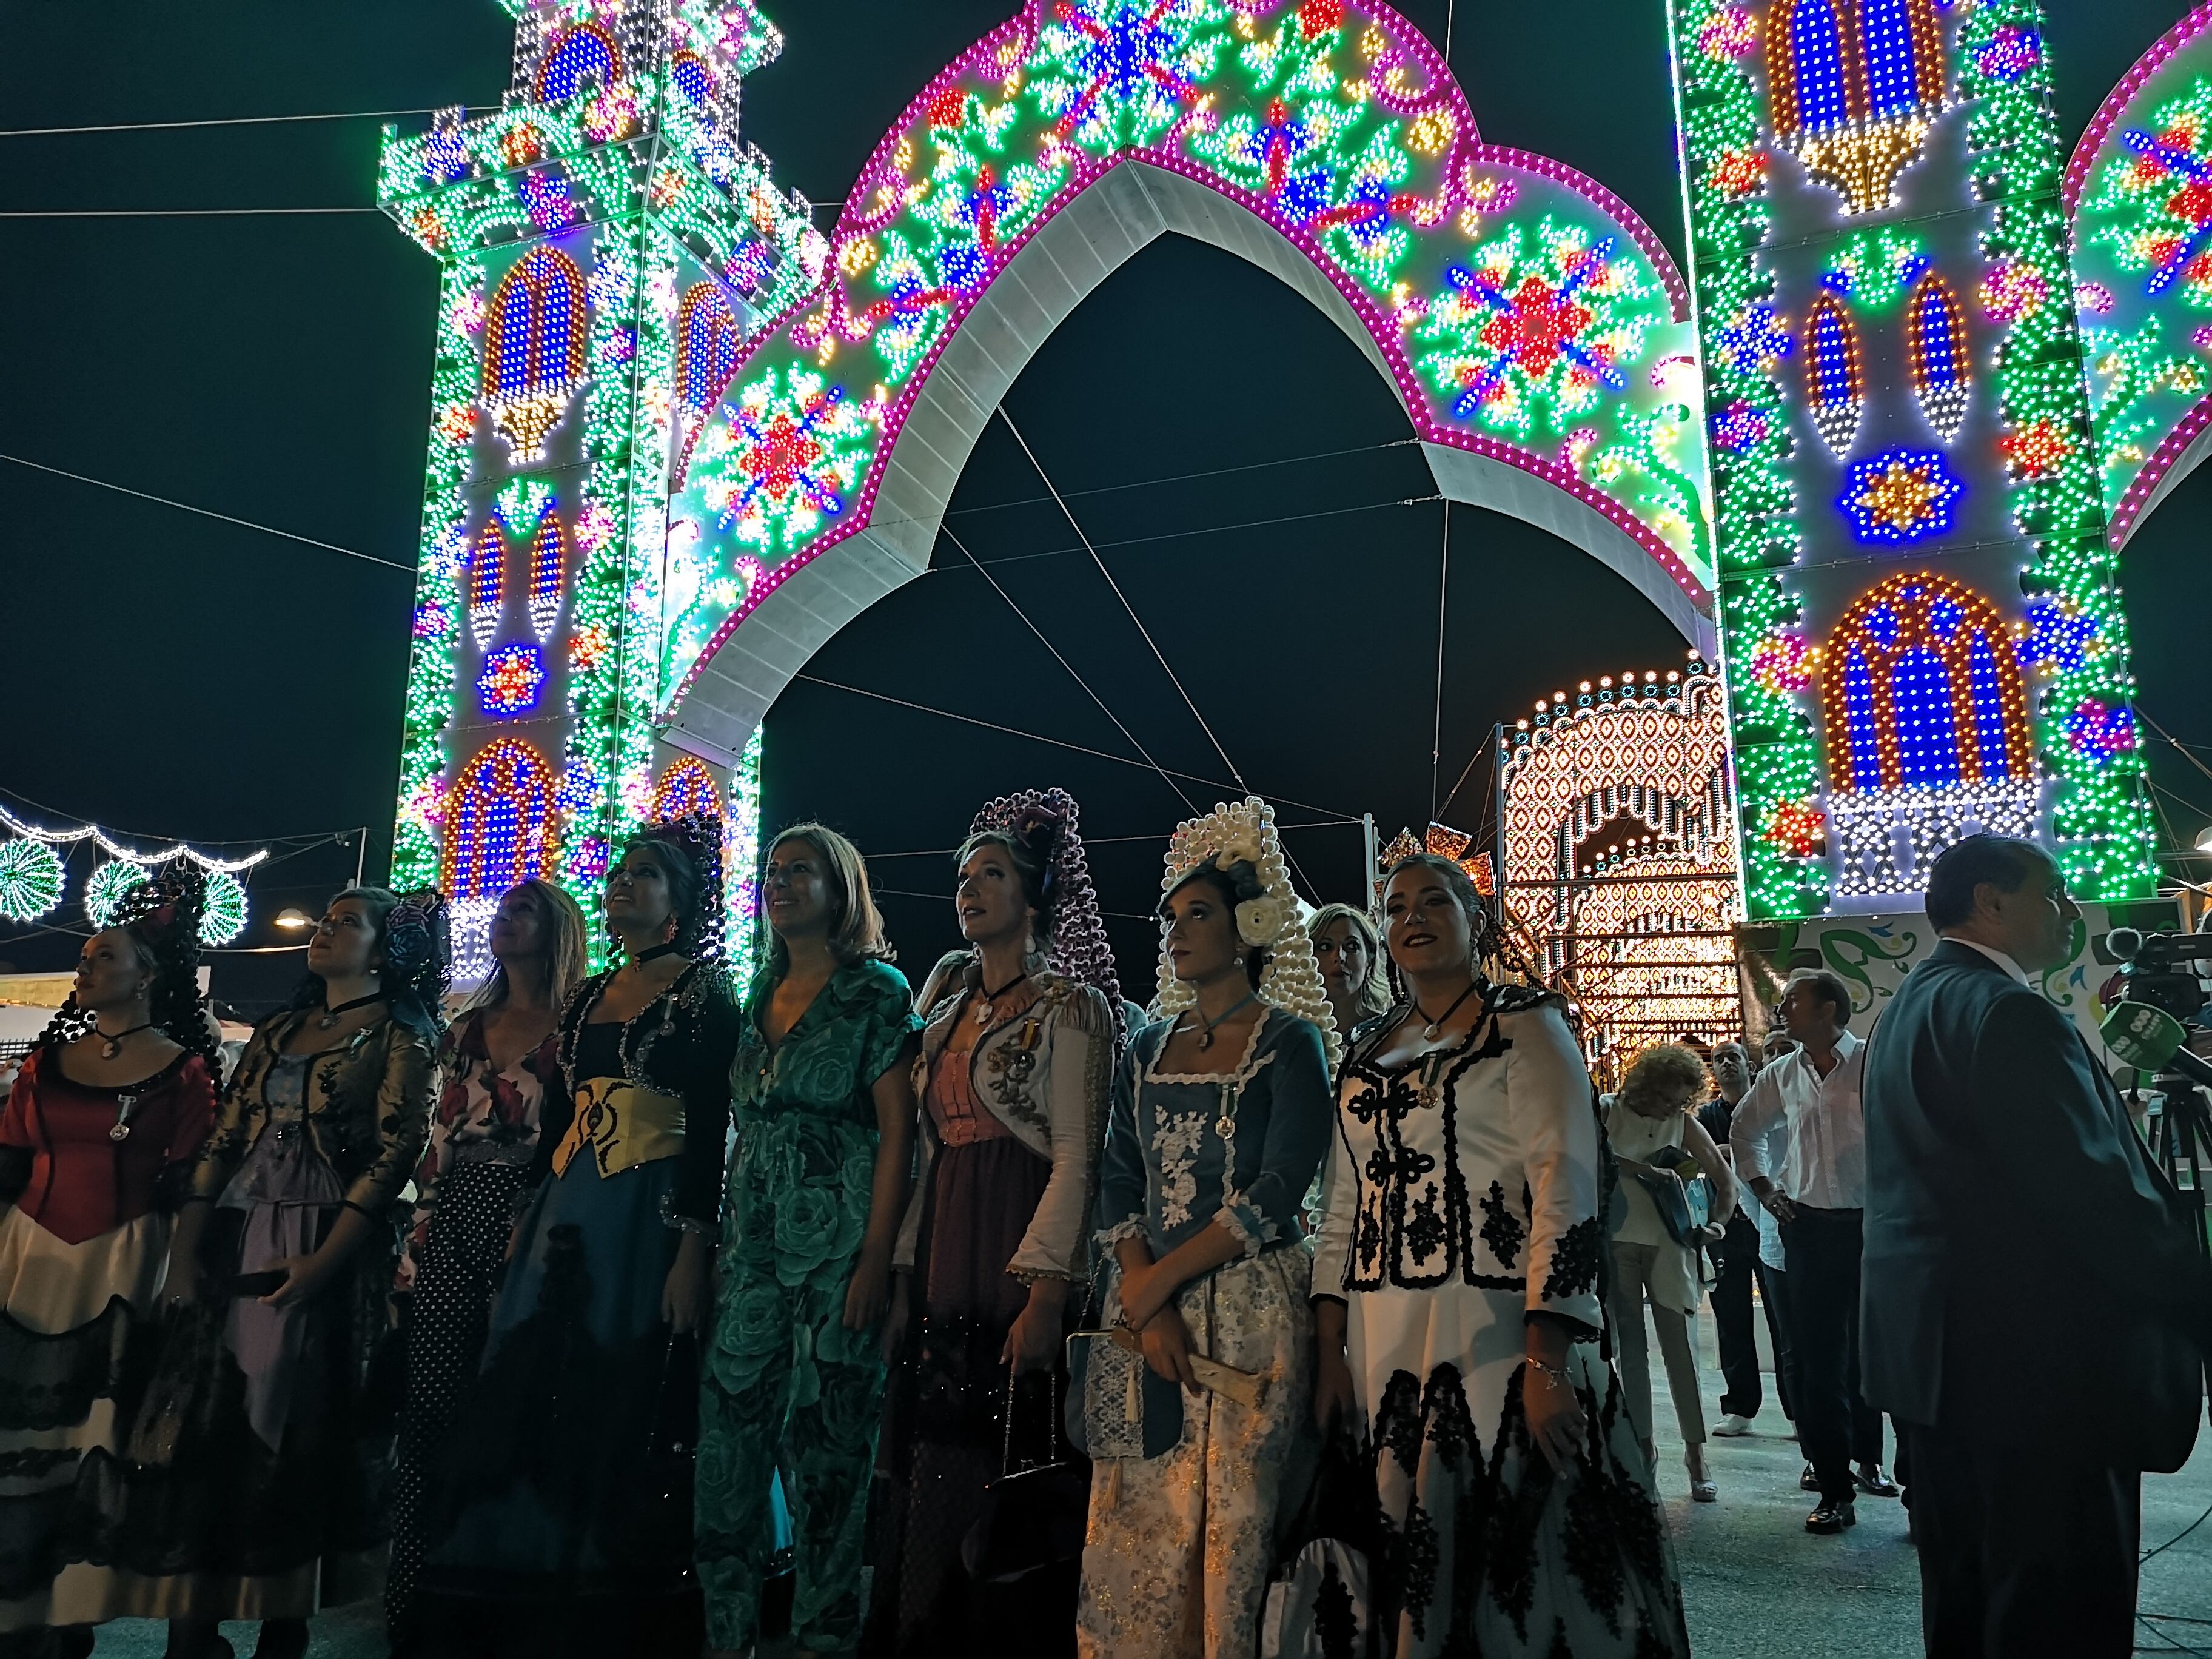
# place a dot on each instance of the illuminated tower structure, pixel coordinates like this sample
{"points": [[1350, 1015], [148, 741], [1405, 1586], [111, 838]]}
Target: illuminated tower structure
{"points": [[609, 247], [1924, 634]]}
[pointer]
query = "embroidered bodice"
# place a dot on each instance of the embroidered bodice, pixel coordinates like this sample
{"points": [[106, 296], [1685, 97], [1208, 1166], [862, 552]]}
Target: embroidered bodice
{"points": [[1475, 1164], [1241, 1148]]}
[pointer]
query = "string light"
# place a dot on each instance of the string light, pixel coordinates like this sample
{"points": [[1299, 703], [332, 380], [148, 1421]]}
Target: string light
{"points": [[116, 849], [1936, 353], [1900, 496], [1835, 382], [107, 887]]}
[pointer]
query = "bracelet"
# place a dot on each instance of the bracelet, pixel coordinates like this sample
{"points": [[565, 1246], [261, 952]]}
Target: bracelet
{"points": [[1554, 1374]]}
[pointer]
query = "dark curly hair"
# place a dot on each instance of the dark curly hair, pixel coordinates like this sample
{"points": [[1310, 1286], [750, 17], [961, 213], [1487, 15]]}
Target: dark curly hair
{"points": [[161, 919]]}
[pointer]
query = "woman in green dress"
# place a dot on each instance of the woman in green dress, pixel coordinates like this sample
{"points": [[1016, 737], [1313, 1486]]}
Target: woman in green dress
{"points": [[823, 1100]]}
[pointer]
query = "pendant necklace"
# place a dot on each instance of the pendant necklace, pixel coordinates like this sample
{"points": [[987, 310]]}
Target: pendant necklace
{"points": [[330, 1015], [124, 1105], [1435, 1028], [114, 1044], [985, 1009], [1206, 1036]]}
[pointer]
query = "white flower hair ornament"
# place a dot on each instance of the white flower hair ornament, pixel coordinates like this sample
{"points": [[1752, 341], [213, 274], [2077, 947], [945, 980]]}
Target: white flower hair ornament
{"points": [[1242, 833]]}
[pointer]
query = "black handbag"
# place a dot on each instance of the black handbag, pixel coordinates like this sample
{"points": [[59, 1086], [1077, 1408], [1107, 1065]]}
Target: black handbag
{"points": [[1034, 1518]]}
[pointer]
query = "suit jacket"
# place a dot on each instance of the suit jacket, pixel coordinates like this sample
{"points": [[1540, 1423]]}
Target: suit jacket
{"points": [[2028, 1268]]}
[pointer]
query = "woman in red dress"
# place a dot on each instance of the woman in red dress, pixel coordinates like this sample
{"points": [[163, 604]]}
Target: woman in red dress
{"points": [[97, 1138]]}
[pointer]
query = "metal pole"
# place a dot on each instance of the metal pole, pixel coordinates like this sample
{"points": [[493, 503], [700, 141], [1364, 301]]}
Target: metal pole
{"points": [[1372, 855], [360, 853]]}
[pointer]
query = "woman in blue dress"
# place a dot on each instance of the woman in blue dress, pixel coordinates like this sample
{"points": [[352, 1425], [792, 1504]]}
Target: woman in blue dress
{"points": [[1221, 1113], [565, 1492]]}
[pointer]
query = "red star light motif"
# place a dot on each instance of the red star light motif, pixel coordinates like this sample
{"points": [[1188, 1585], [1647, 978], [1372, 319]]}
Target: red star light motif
{"points": [[782, 457], [1542, 323], [2035, 451]]}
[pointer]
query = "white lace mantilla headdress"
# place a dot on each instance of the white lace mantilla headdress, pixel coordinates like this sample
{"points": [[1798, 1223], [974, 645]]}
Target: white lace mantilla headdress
{"points": [[1272, 919]]}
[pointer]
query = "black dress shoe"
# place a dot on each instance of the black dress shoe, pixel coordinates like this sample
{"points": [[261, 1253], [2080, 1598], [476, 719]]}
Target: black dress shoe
{"points": [[1808, 1481], [1832, 1516], [1870, 1479], [281, 1638]]}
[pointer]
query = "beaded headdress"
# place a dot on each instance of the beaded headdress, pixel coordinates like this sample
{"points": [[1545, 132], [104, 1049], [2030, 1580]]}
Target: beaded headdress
{"points": [[164, 912], [419, 949], [1235, 838], [1044, 822]]}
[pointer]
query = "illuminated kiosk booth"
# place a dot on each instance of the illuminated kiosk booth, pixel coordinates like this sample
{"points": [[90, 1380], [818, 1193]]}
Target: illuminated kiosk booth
{"points": [[1616, 823]]}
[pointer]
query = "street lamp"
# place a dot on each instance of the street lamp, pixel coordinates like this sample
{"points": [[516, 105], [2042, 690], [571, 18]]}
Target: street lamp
{"points": [[293, 920], [2204, 840]]}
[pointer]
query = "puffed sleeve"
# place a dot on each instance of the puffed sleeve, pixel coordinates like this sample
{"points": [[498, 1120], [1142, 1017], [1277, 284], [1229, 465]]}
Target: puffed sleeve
{"points": [[403, 1119], [1121, 1211], [1081, 1062], [1300, 1110], [1548, 1106], [694, 1204], [1340, 1204]]}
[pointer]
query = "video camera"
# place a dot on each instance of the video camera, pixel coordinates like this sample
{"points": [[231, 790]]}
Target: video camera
{"points": [[2157, 969]]}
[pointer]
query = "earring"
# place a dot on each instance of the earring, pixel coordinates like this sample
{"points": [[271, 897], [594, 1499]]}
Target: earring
{"points": [[668, 928]]}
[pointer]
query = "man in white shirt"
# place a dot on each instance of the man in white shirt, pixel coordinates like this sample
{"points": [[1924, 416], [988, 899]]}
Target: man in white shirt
{"points": [[1819, 1198], [1750, 1255]]}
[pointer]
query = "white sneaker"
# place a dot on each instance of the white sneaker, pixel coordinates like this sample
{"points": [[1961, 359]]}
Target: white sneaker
{"points": [[1733, 1426]]}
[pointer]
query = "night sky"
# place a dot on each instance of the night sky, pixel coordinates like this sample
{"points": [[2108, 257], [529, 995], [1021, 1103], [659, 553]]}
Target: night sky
{"points": [[175, 675]]}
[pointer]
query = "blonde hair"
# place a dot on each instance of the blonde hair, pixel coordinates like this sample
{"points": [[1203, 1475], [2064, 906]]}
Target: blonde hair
{"points": [[1663, 1068], [856, 927], [568, 956], [1375, 996]]}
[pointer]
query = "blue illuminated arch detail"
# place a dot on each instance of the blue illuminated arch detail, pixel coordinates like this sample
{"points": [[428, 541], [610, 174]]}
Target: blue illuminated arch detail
{"points": [[581, 56], [534, 330], [1816, 57]]}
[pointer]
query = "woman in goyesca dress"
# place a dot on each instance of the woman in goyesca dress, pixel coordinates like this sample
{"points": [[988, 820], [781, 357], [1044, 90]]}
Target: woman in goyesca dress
{"points": [[1457, 1303], [500, 1089], [1649, 1126], [994, 1255], [823, 1099], [1220, 1115], [96, 1144], [256, 1484], [560, 1508]]}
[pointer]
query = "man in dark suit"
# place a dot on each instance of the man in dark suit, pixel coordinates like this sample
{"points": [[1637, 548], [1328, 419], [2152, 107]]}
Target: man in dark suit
{"points": [[2027, 1268]]}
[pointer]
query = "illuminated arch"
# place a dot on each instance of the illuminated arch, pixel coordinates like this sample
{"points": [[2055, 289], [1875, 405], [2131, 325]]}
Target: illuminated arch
{"points": [[1810, 69], [708, 336], [1835, 376], [1936, 353], [580, 55], [1535, 332], [688, 785], [2140, 233], [499, 821], [533, 350]]}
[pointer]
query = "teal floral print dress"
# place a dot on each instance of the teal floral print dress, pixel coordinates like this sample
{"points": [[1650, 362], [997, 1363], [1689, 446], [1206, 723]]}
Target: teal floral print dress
{"points": [[781, 1369]]}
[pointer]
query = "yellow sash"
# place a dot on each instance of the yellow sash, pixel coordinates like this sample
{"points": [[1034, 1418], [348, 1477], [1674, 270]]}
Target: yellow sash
{"points": [[622, 1126]]}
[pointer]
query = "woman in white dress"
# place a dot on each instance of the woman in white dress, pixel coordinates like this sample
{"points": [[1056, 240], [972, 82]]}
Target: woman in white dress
{"points": [[1459, 1315], [1649, 1126]]}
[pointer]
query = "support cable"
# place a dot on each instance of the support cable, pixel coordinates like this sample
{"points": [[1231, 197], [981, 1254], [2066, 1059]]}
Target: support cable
{"points": [[1119, 725], [1159, 656], [227, 121], [1436, 730], [207, 513]]}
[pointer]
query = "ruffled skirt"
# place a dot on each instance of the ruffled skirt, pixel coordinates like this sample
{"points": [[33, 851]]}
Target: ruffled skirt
{"points": [[69, 1313]]}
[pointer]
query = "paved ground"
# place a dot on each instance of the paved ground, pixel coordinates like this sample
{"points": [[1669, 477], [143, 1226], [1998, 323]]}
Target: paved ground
{"points": [[1757, 1586]]}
